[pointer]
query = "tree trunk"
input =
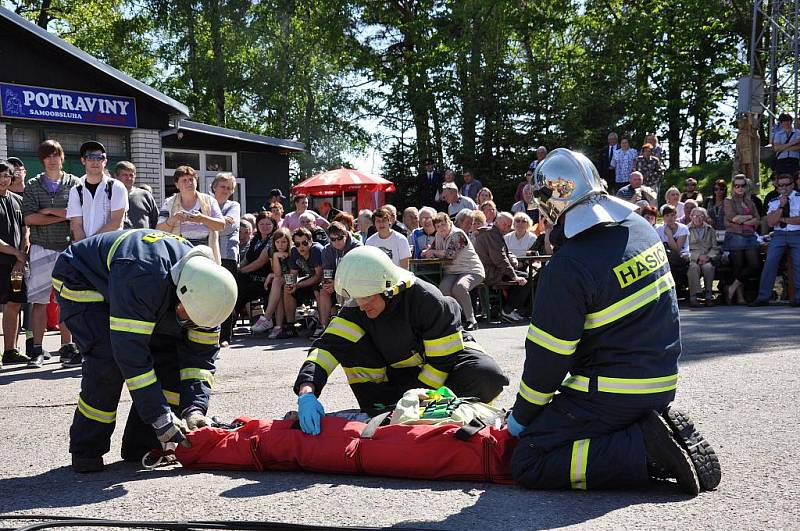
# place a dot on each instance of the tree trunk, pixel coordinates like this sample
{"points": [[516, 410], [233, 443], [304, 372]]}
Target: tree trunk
{"points": [[44, 18], [218, 80]]}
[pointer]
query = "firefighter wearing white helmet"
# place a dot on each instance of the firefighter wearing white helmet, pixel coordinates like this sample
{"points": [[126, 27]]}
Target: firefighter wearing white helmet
{"points": [[395, 332], [144, 307], [601, 366]]}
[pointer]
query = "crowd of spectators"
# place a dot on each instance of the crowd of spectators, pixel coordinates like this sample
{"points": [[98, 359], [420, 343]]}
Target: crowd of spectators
{"points": [[284, 256]]}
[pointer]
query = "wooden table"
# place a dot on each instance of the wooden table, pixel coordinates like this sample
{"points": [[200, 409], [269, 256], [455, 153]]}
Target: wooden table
{"points": [[428, 269], [529, 260]]}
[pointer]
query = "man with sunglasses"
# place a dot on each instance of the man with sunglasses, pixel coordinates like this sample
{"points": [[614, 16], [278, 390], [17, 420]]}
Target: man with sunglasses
{"points": [[305, 264], [145, 308], [783, 215], [341, 243]]}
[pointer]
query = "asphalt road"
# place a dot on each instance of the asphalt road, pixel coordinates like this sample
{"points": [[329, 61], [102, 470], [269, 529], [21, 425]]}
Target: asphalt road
{"points": [[739, 377]]}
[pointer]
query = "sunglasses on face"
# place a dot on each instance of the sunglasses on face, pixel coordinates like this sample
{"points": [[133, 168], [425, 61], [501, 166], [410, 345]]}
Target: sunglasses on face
{"points": [[95, 156], [336, 238], [304, 243], [740, 185]]}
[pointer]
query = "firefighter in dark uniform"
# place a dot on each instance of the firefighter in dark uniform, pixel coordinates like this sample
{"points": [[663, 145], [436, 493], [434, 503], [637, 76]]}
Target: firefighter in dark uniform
{"points": [[602, 350], [394, 333], [144, 307]]}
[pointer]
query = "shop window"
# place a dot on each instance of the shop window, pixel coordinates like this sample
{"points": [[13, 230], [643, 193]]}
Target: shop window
{"points": [[218, 163], [23, 140], [173, 159], [71, 142], [116, 144]]}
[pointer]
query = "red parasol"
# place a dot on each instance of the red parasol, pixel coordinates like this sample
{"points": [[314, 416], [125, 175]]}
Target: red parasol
{"points": [[343, 180]]}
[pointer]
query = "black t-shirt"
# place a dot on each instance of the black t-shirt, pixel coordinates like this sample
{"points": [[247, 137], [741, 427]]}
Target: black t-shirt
{"points": [[91, 187], [11, 223]]}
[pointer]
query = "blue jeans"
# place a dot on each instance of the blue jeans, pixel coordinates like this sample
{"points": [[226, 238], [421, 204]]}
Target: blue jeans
{"points": [[781, 240]]}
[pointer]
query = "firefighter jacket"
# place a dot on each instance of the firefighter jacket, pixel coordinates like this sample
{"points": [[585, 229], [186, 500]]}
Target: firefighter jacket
{"points": [[605, 322], [129, 272], [414, 342]]}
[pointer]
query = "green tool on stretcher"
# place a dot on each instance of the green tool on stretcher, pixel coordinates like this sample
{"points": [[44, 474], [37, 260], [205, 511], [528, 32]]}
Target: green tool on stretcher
{"points": [[439, 404]]}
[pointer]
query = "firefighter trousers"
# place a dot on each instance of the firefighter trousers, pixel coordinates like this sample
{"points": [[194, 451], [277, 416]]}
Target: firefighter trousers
{"points": [[101, 385], [580, 443]]}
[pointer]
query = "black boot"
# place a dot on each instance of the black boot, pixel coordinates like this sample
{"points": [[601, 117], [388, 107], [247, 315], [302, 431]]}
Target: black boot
{"points": [[705, 460], [87, 465], [665, 457]]}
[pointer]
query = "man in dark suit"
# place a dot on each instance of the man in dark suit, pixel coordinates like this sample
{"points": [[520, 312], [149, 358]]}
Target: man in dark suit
{"points": [[606, 154], [428, 183]]}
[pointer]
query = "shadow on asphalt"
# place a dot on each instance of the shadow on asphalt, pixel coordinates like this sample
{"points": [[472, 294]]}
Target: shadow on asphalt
{"points": [[50, 371], [495, 507], [726, 331]]}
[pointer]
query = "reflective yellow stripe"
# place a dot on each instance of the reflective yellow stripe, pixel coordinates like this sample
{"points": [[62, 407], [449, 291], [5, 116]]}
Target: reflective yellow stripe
{"points": [[474, 346], [204, 338], [577, 468], [579, 383], [631, 303], [415, 360], [173, 398], [433, 378], [551, 342], [131, 325], [533, 396], [143, 380], [394, 290], [324, 359], [345, 329], [92, 413], [444, 346], [57, 284], [84, 295], [357, 375], [641, 265], [198, 374], [637, 386], [116, 243]]}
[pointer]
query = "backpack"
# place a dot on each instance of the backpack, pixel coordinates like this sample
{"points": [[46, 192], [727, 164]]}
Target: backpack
{"points": [[109, 191]]}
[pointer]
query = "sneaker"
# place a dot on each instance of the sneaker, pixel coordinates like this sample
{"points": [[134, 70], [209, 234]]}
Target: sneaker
{"points": [[471, 326], [705, 460], [36, 358], [224, 344], [318, 331], [665, 457], [14, 356], [66, 352], [288, 332], [76, 360], [262, 325], [512, 317], [87, 465]]}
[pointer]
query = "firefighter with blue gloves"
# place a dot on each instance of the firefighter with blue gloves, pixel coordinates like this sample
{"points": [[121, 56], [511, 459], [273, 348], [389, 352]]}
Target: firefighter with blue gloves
{"points": [[144, 307], [395, 332], [602, 348]]}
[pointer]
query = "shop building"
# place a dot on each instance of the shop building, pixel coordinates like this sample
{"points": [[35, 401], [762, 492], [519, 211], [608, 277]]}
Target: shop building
{"points": [[50, 89]]}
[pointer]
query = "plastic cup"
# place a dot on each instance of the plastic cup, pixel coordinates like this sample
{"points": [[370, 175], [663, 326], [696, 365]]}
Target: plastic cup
{"points": [[327, 275], [16, 281], [289, 279]]}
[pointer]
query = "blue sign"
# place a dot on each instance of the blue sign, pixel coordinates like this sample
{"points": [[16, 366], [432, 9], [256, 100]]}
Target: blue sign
{"points": [[54, 105]]}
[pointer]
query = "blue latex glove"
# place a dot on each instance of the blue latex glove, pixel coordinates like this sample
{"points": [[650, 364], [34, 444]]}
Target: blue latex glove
{"points": [[513, 426], [311, 411]]}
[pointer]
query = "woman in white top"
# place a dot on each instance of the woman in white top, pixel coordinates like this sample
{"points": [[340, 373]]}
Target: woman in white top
{"points": [[521, 239], [672, 197], [194, 215]]}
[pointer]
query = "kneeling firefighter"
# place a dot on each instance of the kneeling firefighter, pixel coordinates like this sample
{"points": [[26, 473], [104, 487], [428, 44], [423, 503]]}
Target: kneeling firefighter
{"points": [[144, 307], [601, 365], [394, 333]]}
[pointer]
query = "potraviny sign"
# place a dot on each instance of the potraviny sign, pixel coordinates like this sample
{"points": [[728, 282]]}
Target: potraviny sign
{"points": [[55, 105]]}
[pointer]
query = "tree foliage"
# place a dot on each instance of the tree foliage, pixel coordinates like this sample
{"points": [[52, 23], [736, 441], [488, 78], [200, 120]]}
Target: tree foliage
{"points": [[470, 83]]}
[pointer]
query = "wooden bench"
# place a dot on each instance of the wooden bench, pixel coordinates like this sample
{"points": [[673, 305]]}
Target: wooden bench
{"points": [[491, 299]]}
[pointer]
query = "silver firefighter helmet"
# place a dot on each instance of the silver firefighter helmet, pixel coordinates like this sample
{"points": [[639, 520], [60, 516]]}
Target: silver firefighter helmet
{"points": [[567, 181]]}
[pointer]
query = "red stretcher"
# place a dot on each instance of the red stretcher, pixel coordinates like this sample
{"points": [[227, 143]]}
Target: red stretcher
{"points": [[344, 447]]}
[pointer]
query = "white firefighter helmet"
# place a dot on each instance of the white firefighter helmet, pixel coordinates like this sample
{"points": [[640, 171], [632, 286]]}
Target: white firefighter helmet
{"points": [[207, 290], [567, 181], [367, 271]]}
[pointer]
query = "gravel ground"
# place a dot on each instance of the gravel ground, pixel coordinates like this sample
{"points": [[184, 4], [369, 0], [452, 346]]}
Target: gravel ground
{"points": [[738, 380]]}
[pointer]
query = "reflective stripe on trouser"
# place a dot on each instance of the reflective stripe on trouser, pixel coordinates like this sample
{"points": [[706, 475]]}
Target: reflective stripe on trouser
{"points": [[623, 386], [579, 443]]}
